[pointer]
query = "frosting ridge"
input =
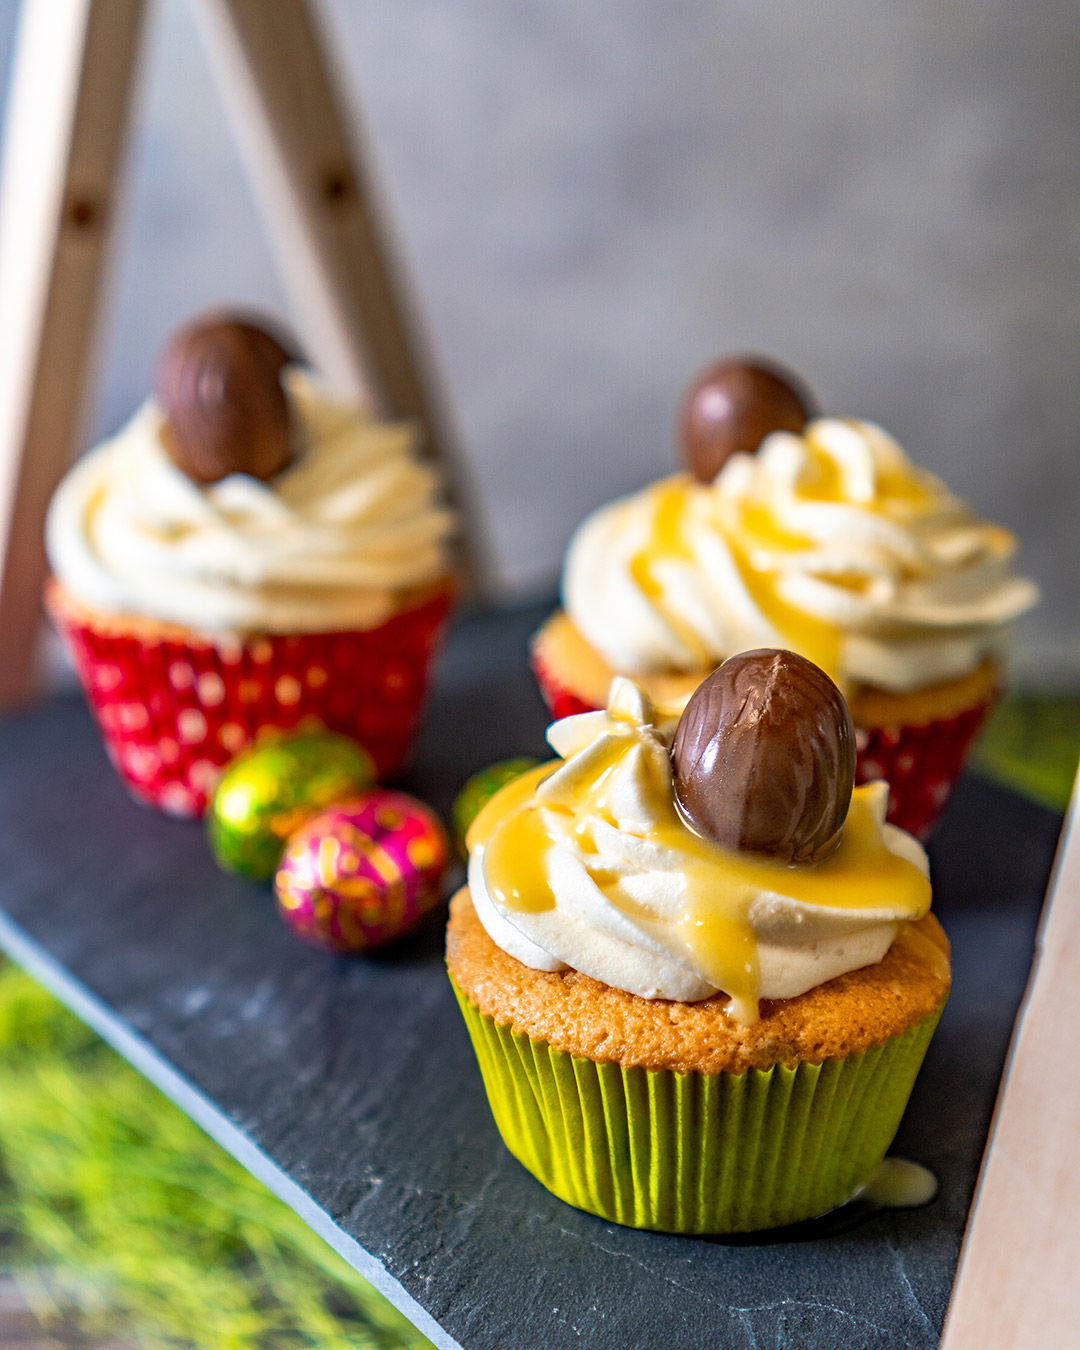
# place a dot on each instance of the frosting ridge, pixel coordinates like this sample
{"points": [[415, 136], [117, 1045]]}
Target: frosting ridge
{"points": [[585, 863], [331, 543], [831, 543]]}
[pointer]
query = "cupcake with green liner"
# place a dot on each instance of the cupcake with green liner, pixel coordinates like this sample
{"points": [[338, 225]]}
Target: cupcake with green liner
{"points": [[698, 968]]}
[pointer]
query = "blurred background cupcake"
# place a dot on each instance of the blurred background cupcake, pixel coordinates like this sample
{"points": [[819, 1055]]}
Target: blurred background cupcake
{"points": [[247, 555], [698, 970], [816, 534]]}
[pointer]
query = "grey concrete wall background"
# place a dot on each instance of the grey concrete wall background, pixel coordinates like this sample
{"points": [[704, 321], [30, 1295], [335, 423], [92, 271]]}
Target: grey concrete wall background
{"points": [[592, 199]]}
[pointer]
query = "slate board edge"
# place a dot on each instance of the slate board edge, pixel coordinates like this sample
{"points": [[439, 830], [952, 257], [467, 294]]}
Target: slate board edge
{"points": [[142, 1056]]}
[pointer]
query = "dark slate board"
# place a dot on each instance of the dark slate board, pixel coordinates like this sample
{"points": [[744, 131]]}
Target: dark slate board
{"points": [[349, 1085]]}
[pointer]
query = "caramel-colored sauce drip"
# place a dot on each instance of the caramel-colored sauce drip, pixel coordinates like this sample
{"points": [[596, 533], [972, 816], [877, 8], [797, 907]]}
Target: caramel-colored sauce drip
{"points": [[714, 929], [813, 638]]}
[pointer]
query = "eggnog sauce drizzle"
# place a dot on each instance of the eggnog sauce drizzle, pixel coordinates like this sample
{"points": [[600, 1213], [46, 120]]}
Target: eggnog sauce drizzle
{"points": [[752, 536], [720, 885]]}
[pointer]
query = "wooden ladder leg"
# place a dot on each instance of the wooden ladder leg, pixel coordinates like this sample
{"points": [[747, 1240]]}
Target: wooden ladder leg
{"points": [[289, 119], [74, 68], [1018, 1282]]}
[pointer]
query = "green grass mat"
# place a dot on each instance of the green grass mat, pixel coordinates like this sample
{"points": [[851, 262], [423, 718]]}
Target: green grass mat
{"points": [[122, 1218], [1032, 744]]}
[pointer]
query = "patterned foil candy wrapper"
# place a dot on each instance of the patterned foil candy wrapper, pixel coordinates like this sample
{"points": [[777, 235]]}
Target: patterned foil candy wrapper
{"points": [[268, 792], [921, 763], [362, 873], [174, 712]]}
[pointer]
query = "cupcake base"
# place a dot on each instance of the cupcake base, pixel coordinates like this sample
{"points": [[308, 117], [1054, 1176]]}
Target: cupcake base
{"points": [[175, 706], [692, 1152], [671, 1116], [918, 742]]}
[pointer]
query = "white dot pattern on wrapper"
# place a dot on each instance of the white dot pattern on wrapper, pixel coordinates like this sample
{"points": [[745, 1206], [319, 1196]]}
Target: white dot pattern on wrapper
{"points": [[132, 716], [181, 675], [203, 776], [108, 677], [230, 650], [138, 761], [192, 726], [232, 736], [211, 689], [177, 800], [287, 690]]}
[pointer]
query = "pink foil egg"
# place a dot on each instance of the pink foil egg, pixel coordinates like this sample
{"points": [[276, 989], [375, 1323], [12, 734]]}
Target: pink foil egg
{"points": [[362, 873]]}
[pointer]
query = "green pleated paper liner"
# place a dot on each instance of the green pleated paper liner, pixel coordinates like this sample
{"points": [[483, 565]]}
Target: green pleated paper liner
{"points": [[691, 1152]]}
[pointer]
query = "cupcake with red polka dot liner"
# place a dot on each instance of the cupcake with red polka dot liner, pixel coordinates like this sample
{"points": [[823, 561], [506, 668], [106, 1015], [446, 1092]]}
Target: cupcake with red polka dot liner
{"points": [[249, 555], [815, 534]]}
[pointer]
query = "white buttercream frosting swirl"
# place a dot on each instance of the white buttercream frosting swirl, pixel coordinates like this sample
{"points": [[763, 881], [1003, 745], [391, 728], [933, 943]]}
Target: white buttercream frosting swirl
{"points": [[831, 543], [330, 543], [588, 866]]}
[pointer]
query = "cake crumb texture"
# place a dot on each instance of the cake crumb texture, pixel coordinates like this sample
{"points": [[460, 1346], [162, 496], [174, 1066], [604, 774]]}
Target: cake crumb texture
{"points": [[584, 1017]]}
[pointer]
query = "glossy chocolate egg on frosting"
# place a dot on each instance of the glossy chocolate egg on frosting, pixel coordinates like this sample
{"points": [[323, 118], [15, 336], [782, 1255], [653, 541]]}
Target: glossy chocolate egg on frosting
{"points": [[219, 384], [732, 405], [764, 757]]}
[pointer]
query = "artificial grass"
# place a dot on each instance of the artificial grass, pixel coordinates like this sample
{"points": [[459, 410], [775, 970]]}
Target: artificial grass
{"points": [[122, 1217], [1031, 744]]}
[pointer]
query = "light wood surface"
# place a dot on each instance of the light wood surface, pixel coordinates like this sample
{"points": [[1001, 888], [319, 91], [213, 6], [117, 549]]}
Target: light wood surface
{"points": [[1018, 1283], [68, 113], [303, 151], [67, 116]]}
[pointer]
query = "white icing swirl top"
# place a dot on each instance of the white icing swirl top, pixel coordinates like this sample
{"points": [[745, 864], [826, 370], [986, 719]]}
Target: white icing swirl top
{"points": [[830, 543], [589, 865], [329, 544]]}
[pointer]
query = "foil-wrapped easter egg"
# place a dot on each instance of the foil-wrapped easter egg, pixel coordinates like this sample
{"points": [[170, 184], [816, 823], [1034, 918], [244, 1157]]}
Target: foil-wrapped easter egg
{"points": [[479, 790], [269, 791], [362, 873]]}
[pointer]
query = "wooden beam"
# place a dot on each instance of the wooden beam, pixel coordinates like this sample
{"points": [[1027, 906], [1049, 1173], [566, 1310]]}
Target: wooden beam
{"points": [[67, 116], [290, 121], [1018, 1283]]}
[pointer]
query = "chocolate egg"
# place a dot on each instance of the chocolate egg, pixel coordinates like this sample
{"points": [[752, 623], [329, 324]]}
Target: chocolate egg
{"points": [[271, 790], [479, 790], [764, 757], [732, 405], [219, 385], [362, 873]]}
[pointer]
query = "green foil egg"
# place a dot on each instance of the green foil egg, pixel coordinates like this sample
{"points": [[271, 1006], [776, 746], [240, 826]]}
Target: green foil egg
{"points": [[268, 792], [480, 789]]}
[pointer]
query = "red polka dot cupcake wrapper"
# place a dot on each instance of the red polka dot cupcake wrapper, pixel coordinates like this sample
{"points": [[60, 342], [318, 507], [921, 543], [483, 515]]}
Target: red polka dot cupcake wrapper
{"points": [[920, 763], [174, 712]]}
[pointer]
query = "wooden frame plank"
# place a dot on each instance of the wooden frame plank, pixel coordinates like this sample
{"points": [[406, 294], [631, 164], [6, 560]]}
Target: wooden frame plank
{"points": [[290, 121], [1018, 1283], [67, 117]]}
